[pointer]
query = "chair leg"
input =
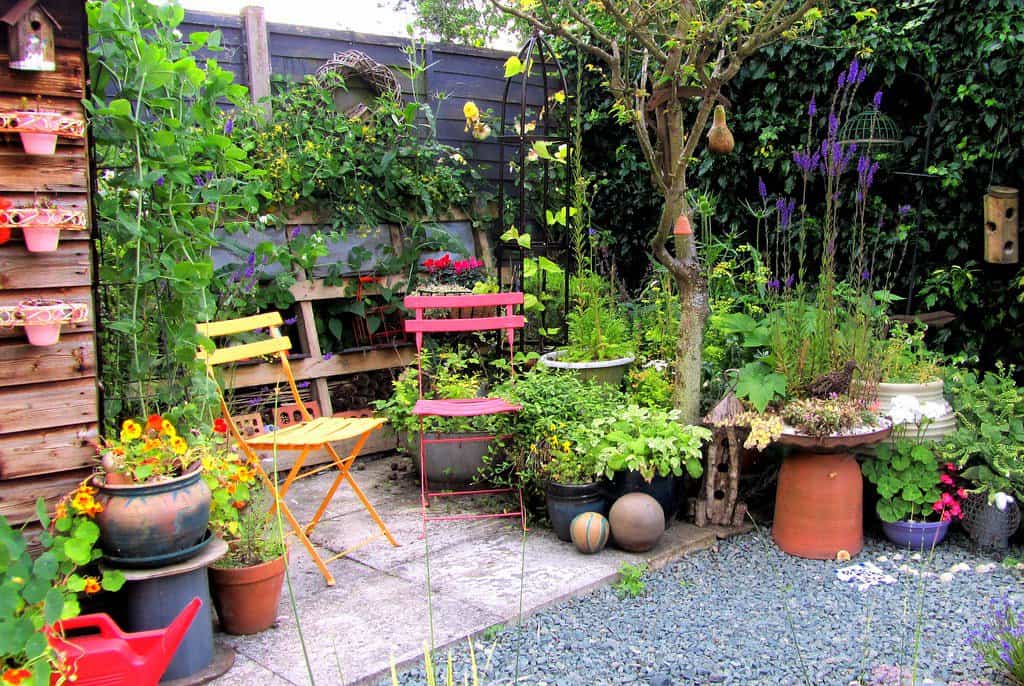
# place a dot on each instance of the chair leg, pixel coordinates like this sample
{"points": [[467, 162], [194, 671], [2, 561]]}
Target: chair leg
{"points": [[344, 472]]}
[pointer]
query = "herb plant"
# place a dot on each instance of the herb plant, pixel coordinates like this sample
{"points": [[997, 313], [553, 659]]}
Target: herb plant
{"points": [[651, 441], [259, 538], [906, 359]]}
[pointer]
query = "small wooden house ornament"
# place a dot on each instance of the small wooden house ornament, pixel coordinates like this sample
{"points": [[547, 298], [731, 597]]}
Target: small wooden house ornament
{"points": [[1001, 225], [30, 33]]}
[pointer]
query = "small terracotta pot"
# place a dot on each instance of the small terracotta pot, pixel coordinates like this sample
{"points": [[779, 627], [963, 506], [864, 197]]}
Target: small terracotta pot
{"points": [[39, 143], [41, 238], [246, 598]]}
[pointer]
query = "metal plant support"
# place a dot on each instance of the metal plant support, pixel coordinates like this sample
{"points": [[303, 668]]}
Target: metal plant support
{"points": [[531, 191]]}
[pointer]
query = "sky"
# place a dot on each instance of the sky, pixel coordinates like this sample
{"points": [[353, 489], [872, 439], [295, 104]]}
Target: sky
{"points": [[365, 16]]}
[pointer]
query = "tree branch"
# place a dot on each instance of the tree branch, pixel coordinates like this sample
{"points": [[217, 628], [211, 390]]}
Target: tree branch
{"points": [[554, 30]]}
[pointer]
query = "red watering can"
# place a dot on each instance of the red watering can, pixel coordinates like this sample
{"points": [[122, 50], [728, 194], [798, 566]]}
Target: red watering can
{"points": [[112, 656]]}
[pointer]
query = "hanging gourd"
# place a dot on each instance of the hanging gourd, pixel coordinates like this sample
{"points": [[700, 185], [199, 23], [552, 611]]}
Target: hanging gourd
{"points": [[720, 140]]}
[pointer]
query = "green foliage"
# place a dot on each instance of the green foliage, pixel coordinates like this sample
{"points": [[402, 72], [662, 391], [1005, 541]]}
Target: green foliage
{"points": [[906, 473], [259, 538], [557, 409], [467, 22], [654, 316], [989, 443], [906, 358], [651, 441], [649, 386], [37, 592], [631, 582], [169, 173], [598, 330]]}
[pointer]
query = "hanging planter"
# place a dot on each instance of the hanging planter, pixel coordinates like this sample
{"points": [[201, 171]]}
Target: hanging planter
{"points": [[42, 319], [40, 226], [39, 130]]}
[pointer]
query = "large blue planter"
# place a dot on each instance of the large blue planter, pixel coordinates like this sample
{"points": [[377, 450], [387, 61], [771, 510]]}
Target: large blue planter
{"points": [[916, 535], [565, 501]]}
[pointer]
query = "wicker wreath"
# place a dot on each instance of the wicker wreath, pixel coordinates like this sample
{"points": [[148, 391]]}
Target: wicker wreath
{"points": [[354, 63]]}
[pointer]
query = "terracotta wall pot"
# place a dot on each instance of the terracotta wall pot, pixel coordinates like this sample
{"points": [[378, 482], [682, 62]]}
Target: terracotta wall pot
{"points": [[566, 501], [151, 520], [246, 598]]}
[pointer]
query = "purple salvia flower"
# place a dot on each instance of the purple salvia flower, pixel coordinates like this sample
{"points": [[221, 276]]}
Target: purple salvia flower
{"points": [[902, 210], [812, 107], [833, 124], [842, 80], [870, 179], [251, 260], [160, 181], [290, 321], [295, 232], [877, 100], [762, 190], [229, 126], [862, 75], [774, 284], [198, 181], [863, 164], [790, 280], [592, 232], [865, 275], [851, 77]]}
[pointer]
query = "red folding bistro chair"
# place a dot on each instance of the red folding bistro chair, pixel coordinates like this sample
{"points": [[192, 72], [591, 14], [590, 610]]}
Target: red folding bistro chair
{"points": [[492, 320]]}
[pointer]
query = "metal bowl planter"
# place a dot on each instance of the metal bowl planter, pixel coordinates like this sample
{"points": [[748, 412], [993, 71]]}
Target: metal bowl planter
{"points": [[603, 371], [916, 535], [989, 527], [41, 226], [42, 319], [39, 130], [153, 520]]}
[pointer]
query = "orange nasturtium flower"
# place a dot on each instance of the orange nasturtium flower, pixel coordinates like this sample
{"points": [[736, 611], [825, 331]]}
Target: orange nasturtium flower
{"points": [[154, 422], [15, 676], [152, 444], [92, 585], [130, 430], [220, 425]]}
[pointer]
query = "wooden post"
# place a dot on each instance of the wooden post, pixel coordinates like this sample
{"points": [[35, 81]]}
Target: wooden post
{"points": [[257, 52]]}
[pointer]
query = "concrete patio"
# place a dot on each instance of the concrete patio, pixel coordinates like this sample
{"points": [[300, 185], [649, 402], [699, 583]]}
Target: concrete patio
{"points": [[378, 611]]}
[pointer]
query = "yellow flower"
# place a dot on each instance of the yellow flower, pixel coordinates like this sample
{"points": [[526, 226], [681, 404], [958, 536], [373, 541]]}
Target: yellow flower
{"points": [[470, 110], [82, 501], [559, 96], [152, 444], [178, 445], [92, 585], [167, 429], [130, 430]]}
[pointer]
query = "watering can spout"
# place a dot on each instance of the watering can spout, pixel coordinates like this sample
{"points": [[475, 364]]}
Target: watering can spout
{"points": [[162, 653]]}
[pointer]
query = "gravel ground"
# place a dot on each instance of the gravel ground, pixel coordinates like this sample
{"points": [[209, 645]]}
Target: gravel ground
{"points": [[748, 614]]}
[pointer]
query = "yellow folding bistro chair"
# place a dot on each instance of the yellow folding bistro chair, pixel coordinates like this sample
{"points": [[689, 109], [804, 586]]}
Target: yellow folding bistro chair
{"points": [[306, 437]]}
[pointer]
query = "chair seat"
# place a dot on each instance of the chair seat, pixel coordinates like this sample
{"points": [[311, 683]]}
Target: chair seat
{"points": [[316, 432], [463, 407]]}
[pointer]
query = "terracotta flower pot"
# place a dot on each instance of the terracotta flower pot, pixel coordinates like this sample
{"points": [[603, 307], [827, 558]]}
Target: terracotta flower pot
{"points": [[246, 598]]}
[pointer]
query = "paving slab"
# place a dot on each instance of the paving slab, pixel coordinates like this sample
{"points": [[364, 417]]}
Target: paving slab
{"points": [[378, 611]]}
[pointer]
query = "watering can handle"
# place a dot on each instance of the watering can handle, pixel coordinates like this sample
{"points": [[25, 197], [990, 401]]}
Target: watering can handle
{"points": [[101, 621]]}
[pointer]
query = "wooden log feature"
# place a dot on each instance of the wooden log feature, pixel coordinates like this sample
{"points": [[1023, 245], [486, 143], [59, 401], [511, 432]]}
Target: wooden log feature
{"points": [[719, 503]]}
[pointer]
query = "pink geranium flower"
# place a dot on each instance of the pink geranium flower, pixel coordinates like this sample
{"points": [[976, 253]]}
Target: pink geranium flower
{"points": [[946, 479], [947, 499]]}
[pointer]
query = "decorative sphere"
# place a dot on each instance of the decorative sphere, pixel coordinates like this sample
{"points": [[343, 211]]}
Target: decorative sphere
{"points": [[589, 532], [637, 522]]}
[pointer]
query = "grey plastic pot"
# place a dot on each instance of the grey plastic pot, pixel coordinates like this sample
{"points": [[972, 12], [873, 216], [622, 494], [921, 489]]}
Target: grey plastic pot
{"points": [[451, 465], [604, 371]]}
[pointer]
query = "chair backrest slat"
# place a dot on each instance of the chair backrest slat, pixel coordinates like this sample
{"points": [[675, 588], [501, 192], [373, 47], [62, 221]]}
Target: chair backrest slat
{"points": [[245, 351], [418, 302], [461, 325], [241, 325]]}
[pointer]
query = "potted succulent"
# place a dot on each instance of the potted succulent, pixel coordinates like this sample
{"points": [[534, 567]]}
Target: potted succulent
{"points": [[599, 342], [648, 450], [446, 374], [156, 506], [44, 587], [919, 497], [988, 447], [246, 583], [40, 224]]}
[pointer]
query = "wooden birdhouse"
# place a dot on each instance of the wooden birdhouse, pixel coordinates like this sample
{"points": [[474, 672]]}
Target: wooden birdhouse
{"points": [[1001, 225], [30, 32]]}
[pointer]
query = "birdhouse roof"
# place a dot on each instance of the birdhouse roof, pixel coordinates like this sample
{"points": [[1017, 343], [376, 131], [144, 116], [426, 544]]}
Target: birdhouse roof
{"points": [[18, 10]]}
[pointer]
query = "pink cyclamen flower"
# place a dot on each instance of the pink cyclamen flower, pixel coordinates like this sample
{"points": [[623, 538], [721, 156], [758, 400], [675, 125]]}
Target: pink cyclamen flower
{"points": [[946, 479]]}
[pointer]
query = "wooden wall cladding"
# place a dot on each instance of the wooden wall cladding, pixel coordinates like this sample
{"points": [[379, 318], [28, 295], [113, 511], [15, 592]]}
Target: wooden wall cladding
{"points": [[49, 401]]}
